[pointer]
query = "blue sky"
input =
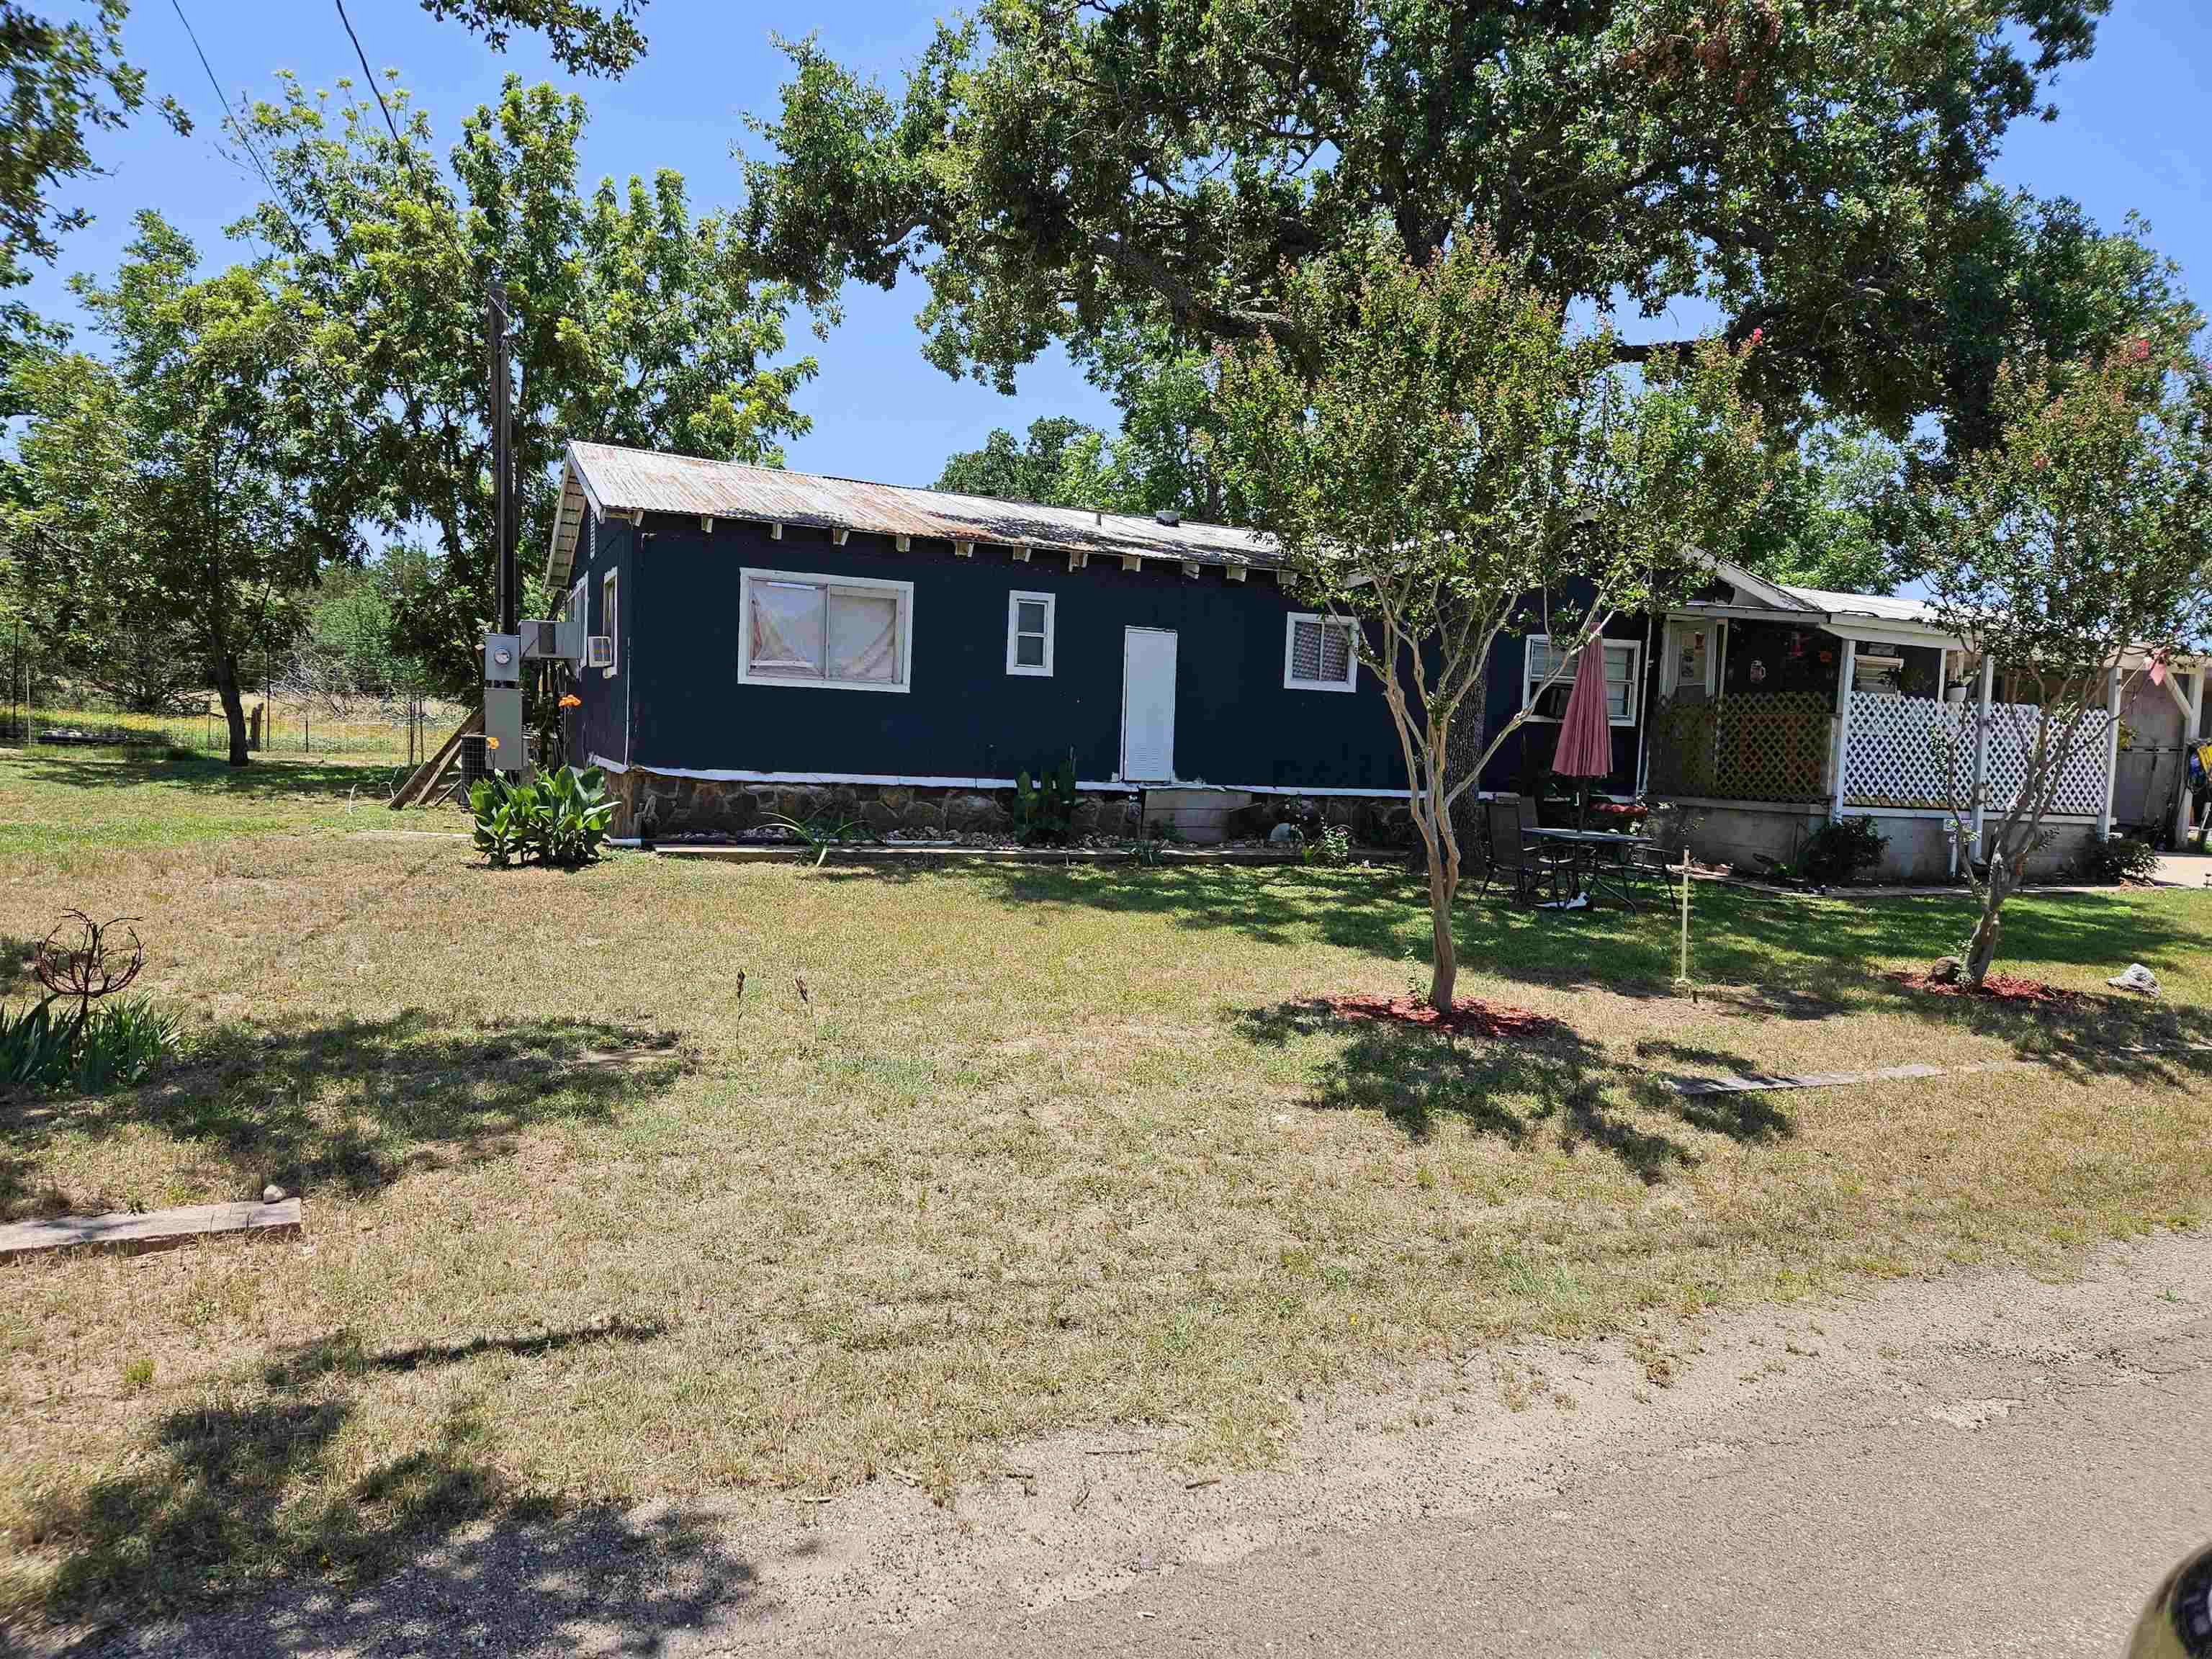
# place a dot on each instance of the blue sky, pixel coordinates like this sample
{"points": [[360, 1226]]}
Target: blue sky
{"points": [[880, 411]]}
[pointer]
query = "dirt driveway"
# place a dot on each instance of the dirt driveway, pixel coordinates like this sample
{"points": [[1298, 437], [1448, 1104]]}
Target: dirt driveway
{"points": [[1985, 1464]]}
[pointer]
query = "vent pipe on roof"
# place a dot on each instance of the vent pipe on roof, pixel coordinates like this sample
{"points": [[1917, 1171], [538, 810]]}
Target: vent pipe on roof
{"points": [[1169, 516]]}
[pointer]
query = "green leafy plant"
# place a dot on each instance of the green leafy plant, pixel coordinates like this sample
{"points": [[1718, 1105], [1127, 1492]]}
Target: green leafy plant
{"points": [[2121, 859], [573, 815], [34, 1046], [90, 1051], [1332, 848], [120, 1044], [1044, 811], [821, 833], [500, 812], [1837, 851], [1146, 853], [559, 817]]}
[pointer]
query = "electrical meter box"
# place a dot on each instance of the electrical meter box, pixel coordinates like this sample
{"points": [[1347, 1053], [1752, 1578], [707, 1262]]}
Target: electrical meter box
{"points": [[502, 658]]}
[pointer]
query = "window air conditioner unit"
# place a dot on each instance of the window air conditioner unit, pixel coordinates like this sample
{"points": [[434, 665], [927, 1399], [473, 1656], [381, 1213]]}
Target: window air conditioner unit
{"points": [[599, 651]]}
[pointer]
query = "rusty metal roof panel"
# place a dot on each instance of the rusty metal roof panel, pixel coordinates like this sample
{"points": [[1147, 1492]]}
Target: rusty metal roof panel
{"points": [[619, 480]]}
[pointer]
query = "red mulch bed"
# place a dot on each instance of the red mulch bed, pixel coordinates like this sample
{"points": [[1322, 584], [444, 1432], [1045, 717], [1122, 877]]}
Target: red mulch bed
{"points": [[1995, 988], [1469, 1017]]}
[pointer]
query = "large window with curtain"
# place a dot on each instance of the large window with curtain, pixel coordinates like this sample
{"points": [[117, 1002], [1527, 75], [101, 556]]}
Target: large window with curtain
{"points": [[1623, 664], [846, 633]]}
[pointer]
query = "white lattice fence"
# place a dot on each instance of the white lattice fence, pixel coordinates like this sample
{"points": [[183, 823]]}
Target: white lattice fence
{"points": [[2081, 792], [1900, 750]]}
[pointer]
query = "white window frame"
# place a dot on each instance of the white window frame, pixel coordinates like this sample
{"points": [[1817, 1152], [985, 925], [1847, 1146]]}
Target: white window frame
{"points": [[1014, 602], [746, 676], [1291, 682], [1633, 648], [609, 594]]}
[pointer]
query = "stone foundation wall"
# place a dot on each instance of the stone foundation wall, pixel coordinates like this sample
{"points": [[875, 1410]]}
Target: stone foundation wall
{"points": [[695, 805]]}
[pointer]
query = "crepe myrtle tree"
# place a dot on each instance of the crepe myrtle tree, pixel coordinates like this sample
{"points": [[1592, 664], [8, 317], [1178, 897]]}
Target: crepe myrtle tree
{"points": [[1449, 461], [2076, 551]]}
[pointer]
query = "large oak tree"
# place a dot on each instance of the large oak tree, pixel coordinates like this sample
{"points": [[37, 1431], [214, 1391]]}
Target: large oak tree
{"points": [[1054, 169]]}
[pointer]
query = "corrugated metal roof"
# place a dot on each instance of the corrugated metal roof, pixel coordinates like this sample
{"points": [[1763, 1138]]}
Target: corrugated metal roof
{"points": [[1887, 606], [608, 478]]}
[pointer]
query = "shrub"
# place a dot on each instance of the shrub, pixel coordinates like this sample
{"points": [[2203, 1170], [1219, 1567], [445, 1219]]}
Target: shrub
{"points": [[2121, 859], [1838, 850], [1332, 848], [1044, 812], [557, 817]]}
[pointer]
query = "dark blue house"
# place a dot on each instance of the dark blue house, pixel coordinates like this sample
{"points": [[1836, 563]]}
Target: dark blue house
{"points": [[781, 642]]}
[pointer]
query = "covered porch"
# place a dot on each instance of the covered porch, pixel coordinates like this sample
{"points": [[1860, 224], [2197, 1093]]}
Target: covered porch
{"points": [[1777, 708]]}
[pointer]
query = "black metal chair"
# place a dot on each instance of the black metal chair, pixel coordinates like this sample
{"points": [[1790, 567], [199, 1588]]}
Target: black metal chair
{"points": [[1651, 870], [1514, 854]]}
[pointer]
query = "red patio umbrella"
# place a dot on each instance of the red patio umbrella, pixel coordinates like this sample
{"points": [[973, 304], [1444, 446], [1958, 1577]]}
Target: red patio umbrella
{"points": [[1585, 731]]}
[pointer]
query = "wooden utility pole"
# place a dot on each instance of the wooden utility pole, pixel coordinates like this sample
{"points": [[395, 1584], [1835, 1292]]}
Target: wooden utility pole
{"points": [[506, 530]]}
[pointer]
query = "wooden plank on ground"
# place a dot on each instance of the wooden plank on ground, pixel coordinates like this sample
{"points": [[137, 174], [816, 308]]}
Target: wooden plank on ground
{"points": [[1766, 1082], [132, 1232]]}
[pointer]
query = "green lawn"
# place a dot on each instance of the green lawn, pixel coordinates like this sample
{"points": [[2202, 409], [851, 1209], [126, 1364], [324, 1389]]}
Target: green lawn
{"points": [[1046, 1146]]}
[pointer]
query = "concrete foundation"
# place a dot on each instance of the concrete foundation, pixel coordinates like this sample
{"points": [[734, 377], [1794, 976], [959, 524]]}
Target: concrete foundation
{"points": [[1737, 833]]}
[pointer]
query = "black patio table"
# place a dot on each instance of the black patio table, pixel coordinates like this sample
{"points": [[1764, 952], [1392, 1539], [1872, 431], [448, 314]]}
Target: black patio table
{"points": [[1594, 874]]}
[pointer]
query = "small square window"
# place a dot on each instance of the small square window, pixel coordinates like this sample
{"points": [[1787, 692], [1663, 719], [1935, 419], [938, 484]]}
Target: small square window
{"points": [[1318, 655], [1029, 633]]}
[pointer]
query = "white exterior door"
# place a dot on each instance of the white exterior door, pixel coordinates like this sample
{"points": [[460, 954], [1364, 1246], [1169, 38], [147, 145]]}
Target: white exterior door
{"points": [[1148, 679]]}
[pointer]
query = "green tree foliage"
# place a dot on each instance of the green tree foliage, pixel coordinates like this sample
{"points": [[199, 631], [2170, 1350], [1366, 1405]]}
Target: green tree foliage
{"points": [[1065, 169], [1058, 466], [176, 479], [584, 39], [1838, 514], [66, 80], [638, 324], [2074, 551], [1165, 455], [1458, 450]]}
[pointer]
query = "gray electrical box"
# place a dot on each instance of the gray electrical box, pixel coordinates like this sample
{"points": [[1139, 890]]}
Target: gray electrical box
{"points": [[504, 750]]}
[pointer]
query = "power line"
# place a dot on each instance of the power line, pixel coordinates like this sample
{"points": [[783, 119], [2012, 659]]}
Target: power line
{"points": [[238, 126], [371, 75]]}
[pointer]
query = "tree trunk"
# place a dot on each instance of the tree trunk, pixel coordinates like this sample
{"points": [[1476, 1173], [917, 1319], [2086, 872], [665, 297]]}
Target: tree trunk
{"points": [[1445, 976], [1462, 754], [234, 705], [1982, 949]]}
